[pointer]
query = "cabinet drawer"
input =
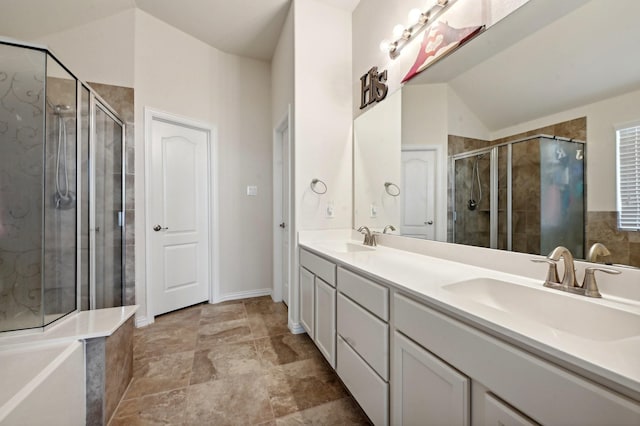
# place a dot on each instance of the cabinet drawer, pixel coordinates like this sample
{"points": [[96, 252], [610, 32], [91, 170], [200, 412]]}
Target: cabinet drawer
{"points": [[529, 378], [498, 413], [366, 334], [319, 266], [371, 392], [372, 296]]}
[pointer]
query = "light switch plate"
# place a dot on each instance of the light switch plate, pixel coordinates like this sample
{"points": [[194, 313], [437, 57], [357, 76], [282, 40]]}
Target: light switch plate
{"points": [[252, 190], [330, 210]]}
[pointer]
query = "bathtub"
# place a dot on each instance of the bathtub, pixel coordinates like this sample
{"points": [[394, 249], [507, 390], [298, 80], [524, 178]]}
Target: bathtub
{"points": [[42, 384]]}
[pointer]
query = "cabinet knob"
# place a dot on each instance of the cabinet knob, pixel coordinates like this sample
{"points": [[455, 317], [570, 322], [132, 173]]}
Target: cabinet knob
{"points": [[159, 228]]}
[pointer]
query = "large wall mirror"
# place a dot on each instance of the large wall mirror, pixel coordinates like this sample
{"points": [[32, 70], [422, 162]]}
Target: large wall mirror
{"points": [[510, 142]]}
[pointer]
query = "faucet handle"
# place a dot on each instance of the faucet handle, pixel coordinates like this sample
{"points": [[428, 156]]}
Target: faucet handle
{"points": [[590, 286], [552, 273]]}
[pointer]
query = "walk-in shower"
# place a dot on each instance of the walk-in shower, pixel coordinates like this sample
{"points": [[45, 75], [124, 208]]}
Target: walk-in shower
{"points": [[54, 161], [526, 195]]}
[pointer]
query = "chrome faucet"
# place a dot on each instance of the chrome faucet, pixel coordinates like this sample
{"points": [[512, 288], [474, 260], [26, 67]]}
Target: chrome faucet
{"points": [[597, 249], [388, 227], [569, 277], [369, 238]]}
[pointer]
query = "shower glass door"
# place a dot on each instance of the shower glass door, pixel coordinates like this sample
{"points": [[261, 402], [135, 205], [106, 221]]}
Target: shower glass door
{"points": [[107, 207]]}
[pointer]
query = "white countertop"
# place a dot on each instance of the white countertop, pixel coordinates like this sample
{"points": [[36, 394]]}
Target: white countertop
{"points": [[76, 326], [613, 363]]}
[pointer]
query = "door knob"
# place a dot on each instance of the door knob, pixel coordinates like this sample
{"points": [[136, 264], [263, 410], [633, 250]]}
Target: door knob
{"points": [[429, 222], [159, 228], [282, 225]]}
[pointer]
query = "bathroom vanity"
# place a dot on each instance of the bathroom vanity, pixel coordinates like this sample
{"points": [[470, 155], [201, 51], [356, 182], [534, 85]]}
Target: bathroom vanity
{"points": [[424, 340]]}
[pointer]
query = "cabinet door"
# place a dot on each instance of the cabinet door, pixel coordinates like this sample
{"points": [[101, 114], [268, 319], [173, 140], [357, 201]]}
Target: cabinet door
{"points": [[425, 389], [306, 301], [325, 308]]}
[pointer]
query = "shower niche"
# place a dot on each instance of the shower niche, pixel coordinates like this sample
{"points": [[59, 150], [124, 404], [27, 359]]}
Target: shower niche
{"points": [[525, 195], [61, 192]]}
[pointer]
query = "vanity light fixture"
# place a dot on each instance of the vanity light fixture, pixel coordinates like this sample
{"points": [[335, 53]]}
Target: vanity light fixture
{"points": [[418, 21]]}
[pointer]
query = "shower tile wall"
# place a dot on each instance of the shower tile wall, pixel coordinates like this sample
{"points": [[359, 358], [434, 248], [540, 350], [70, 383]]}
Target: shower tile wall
{"points": [[121, 99], [624, 245], [21, 136]]}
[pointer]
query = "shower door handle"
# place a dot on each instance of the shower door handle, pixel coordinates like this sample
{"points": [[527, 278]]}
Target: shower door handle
{"points": [[159, 228]]}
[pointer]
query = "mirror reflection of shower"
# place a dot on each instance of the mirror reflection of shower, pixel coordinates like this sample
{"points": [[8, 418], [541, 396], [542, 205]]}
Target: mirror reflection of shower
{"points": [[63, 198], [525, 195], [475, 177]]}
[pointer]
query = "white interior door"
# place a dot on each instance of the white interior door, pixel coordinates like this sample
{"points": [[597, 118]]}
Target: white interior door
{"points": [[419, 186], [179, 217]]}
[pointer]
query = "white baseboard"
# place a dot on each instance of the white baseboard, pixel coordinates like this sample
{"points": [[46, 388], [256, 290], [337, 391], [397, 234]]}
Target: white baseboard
{"points": [[296, 328], [143, 321], [243, 295]]}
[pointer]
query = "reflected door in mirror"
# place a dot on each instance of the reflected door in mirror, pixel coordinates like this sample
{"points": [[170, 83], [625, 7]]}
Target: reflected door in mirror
{"points": [[418, 202]]}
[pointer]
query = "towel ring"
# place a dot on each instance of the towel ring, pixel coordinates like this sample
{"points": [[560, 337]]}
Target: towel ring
{"points": [[393, 192], [316, 181]]}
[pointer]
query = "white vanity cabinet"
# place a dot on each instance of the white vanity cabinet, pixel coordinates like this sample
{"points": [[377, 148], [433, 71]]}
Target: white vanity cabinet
{"points": [[363, 342], [427, 390], [539, 390], [318, 302]]}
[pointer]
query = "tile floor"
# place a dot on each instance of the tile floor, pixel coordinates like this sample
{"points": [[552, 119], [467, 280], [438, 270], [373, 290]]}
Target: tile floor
{"points": [[234, 363]]}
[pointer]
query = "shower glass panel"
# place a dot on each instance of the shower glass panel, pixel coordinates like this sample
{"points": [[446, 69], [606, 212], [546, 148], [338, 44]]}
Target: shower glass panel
{"points": [[472, 193], [37, 188], [108, 206], [59, 263], [562, 195]]}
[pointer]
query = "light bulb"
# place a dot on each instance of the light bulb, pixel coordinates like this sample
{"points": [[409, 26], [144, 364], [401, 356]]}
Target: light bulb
{"points": [[414, 16], [385, 45], [398, 30]]}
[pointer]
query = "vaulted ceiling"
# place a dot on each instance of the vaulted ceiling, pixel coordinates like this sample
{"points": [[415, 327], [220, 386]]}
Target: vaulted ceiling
{"points": [[243, 27]]}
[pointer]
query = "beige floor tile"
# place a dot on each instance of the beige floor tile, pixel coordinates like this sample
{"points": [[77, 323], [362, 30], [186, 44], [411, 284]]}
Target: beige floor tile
{"points": [[285, 348], [241, 400], [160, 374], [303, 384], [213, 333], [268, 324], [339, 412], [225, 361], [231, 363], [163, 408], [164, 339], [264, 305], [223, 312]]}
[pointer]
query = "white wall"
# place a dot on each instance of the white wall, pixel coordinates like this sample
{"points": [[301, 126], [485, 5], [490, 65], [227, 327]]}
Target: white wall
{"points": [[181, 75], [323, 119], [101, 51], [282, 72]]}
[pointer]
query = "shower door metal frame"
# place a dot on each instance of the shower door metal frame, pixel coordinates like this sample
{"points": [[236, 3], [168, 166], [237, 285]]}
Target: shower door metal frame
{"points": [[95, 102]]}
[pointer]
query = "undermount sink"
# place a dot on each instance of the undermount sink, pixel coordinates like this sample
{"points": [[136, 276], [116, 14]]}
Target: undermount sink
{"points": [[556, 310], [344, 247]]}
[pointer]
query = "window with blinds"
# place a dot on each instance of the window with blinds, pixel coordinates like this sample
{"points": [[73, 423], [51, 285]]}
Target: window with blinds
{"points": [[628, 159]]}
